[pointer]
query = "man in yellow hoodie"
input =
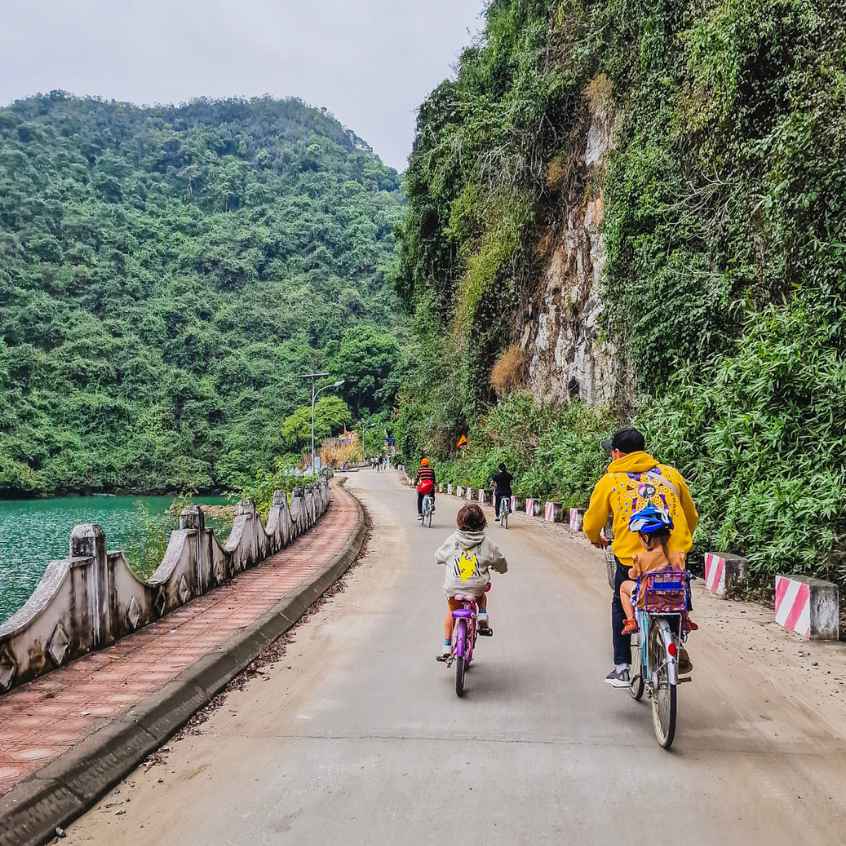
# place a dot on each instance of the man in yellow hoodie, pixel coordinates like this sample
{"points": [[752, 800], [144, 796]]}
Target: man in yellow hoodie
{"points": [[633, 480]]}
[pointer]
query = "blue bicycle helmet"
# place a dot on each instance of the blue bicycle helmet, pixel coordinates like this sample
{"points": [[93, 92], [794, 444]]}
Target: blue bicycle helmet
{"points": [[650, 520]]}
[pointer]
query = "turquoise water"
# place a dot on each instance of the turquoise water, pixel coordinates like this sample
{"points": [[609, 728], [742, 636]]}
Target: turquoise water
{"points": [[35, 531]]}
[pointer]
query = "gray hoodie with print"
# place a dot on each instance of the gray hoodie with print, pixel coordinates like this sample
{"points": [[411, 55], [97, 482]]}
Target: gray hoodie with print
{"points": [[469, 557]]}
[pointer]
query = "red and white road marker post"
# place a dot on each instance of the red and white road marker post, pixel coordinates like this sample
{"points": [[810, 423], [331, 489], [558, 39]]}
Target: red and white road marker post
{"points": [[577, 518], [807, 606], [723, 572], [552, 512]]}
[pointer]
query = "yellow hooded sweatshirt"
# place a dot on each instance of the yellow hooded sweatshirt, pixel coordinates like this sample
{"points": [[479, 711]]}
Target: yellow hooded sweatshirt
{"points": [[625, 486]]}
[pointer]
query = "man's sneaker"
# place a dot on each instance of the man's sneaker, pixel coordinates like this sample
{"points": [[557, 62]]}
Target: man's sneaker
{"points": [[420, 517], [618, 678], [446, 651]]}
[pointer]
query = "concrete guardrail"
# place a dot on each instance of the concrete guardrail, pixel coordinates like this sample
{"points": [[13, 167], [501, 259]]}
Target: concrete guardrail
{"points": [[93, 598]]}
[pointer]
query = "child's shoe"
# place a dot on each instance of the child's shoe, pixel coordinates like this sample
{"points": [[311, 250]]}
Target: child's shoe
{"points": [[690, 625], [446, 651], [629, 627], [485, 629]]}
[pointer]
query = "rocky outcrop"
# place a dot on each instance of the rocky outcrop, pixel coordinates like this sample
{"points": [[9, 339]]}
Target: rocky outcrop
{"points": [[565, 352]]}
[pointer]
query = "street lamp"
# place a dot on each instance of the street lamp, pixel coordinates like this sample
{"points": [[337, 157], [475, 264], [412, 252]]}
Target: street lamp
{"points": [[315, 393]]}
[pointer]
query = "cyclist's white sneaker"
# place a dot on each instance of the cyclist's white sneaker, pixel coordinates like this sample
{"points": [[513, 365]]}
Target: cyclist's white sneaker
{"points": [[618, 678]]}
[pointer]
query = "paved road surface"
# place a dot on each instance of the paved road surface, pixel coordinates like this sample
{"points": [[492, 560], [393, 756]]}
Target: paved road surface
{"points": [[357, 736]]}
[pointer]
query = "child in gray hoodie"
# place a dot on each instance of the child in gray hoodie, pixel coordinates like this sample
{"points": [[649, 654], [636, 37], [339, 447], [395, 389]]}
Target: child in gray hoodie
{"points": [[469, 558]]}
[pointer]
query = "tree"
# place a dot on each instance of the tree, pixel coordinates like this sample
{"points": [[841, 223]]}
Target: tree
{"points": [[368, 360], [330, 415]]}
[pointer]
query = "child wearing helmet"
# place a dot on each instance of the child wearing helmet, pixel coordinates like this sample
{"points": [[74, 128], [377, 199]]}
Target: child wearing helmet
{"points": [[653, 526]]}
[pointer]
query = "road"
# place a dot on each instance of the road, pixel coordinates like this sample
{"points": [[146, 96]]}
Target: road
{"points": [[356, 735]]}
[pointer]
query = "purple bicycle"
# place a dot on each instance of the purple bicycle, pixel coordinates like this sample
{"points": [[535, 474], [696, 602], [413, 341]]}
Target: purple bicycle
{"points": [[464, 635]]}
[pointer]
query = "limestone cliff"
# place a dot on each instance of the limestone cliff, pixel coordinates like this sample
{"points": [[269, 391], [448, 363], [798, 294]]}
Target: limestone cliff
{"points": [[565, 351]]}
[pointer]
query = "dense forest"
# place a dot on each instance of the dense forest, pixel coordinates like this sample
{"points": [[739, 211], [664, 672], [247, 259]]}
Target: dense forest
{"points": [[725, 231], [165, 275]]}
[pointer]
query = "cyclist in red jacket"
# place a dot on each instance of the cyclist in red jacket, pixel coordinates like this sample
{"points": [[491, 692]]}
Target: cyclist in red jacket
{"points": [[424, 481]]}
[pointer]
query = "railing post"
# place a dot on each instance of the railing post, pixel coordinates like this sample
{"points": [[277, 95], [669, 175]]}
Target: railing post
{"points": [[193, 519], [87, 541]]}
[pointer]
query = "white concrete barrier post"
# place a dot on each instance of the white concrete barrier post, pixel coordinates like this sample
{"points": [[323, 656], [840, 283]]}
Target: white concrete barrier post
{"points": [[577, 518], [724, 572], [807, 606], [552, 512], [532, 507], [449, 488]]}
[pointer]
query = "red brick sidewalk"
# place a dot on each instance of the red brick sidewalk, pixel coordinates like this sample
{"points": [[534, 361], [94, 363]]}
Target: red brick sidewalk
{"points": [[41, 720]]}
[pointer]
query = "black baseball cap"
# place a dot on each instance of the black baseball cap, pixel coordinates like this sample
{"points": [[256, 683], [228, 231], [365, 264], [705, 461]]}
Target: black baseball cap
{"points": [[626, 440]]}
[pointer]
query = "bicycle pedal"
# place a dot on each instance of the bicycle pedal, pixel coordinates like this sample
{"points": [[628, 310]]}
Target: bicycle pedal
{"points": [[685, 679], [486, 632]]}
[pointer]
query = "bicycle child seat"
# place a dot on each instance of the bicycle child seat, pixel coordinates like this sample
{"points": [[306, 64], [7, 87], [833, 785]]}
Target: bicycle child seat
{"points": [[664, 592]]}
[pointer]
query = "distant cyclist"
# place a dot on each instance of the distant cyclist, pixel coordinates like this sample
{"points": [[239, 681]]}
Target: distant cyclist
{"points": [[502, 487], [424, 482]]}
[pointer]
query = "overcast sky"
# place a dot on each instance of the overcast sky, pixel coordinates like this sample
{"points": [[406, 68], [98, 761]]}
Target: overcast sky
{"points": [[370, 62]]}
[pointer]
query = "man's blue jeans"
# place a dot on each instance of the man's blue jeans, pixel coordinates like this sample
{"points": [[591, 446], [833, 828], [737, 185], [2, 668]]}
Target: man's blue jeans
{"points": [[622, 643]]}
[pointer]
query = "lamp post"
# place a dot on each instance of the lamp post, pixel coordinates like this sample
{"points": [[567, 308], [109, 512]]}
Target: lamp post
{"points": [[315, 393]]}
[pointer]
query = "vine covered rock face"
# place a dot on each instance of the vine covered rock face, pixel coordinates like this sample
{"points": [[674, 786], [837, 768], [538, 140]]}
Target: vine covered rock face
{"points": [[166, 273], [723, 230]]}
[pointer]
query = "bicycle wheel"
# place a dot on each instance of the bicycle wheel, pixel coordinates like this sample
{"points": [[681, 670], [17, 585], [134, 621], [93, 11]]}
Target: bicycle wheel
{"points": [[460, 666], [664, 694], [429, 518], [469, 645]]}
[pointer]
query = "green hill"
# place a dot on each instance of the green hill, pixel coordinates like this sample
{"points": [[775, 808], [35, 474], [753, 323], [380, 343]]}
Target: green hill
{"points": [[165, 274]]}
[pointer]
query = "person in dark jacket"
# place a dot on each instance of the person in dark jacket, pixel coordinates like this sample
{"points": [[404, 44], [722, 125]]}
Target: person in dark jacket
{"points": [[502, 486]]}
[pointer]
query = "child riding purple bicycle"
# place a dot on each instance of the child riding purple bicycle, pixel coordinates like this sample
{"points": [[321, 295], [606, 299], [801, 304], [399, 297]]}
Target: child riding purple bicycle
{"points": [[468, 557]]}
